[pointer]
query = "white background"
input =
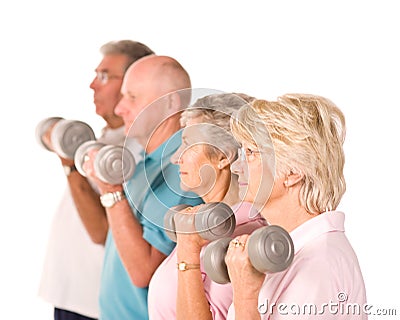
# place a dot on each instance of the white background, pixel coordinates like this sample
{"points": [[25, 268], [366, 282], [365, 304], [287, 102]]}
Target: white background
{"points": [[347, 51]]}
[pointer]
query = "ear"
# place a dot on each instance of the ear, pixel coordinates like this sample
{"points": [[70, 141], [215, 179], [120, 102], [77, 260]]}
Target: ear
{"points": [[226, 159], [223, 163], [293, 178], [174, 102]]}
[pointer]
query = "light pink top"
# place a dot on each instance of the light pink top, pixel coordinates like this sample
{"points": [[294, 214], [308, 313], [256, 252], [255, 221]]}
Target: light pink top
{"points": [[164, 283], [324, 280]]}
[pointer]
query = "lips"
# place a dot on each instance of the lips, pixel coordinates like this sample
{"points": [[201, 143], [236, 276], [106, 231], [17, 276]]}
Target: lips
{"points": [[243, 184]]}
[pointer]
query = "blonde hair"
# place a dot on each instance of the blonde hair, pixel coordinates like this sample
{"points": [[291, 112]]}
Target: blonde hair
{"points": [[307, 133]]}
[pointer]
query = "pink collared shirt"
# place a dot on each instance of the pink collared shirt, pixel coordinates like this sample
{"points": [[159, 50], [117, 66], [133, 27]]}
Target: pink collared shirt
{"points": [[324, 280], [163, 286]]}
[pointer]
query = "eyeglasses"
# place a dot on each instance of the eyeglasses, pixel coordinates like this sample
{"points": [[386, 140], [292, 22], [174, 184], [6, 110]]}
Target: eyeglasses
{"points": [[103, 77], [246, 153]]}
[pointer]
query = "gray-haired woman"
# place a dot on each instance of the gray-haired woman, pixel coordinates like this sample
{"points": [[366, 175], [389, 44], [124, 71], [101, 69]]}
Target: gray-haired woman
{"points": [[205, 156]]}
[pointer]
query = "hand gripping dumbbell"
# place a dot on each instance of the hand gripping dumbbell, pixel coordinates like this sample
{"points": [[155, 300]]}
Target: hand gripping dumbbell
{"points": [[112, 164], [212, 221], [66, 135], [270, 250]]}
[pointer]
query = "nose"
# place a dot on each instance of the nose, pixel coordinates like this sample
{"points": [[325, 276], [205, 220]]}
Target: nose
{"points": [[236, 166], [93, 83]]}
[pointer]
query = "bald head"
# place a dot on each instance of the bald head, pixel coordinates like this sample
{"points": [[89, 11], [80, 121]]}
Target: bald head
{"points": [[161, 73], [155, 90]]}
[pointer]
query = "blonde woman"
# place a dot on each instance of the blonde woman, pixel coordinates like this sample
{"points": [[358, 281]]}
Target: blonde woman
{"points": [[296, 144]]}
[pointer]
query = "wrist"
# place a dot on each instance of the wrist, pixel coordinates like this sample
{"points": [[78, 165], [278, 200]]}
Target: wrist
{"points": [[188, 255], [109, 188], [68, 169], [184, 266]]}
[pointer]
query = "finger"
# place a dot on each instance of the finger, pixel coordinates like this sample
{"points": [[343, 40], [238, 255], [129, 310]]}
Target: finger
{"points": [[238, 242], [243, 240]]}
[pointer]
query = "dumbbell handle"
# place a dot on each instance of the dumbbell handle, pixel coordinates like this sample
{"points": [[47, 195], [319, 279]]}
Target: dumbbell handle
{"points": [[212, 221], [42, 129], [270, 250]]}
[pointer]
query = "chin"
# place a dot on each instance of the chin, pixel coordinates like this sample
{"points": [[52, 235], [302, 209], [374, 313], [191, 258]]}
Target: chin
{"points": [[184, 187], [245, 196], [242, 196]]}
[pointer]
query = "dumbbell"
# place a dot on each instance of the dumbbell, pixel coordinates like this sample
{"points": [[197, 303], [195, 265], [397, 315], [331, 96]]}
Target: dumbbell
{"points": [[270, 250], [66, 135], [112, 164], [212, 221]]}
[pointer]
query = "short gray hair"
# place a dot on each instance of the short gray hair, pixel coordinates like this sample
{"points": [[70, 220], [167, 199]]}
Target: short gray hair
{"points": [[133, 50], [217, 109]]}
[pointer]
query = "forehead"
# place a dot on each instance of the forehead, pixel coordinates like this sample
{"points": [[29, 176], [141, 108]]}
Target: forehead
{"points": [[112, 63], [196, 132], [139, 83]]}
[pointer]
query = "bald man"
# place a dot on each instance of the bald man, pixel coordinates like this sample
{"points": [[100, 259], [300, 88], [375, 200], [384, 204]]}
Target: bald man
{"points": [[155, 90]]}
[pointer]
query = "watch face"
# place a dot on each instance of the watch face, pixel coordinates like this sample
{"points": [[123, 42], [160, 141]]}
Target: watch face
{"points": [[182, 266], [107, 200]]}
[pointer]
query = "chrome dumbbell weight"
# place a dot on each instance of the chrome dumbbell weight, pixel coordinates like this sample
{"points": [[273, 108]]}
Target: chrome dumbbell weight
{"points": [[42, 128], [270, 250], [112, 164], [212, 221], [66, 135]]}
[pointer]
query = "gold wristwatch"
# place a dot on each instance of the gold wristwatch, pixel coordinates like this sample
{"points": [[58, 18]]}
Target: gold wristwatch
{"points": [[183, 266]]}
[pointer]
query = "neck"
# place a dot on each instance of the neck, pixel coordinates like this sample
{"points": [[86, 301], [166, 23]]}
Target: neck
{"points": [[221, 192], [286, 211], [161, 134]]}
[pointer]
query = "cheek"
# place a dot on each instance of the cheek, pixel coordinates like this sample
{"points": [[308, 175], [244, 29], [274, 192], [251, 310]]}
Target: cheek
{"points": [[111, 96], [254, 179], [262, 183], [190, 165], [131, 115]]}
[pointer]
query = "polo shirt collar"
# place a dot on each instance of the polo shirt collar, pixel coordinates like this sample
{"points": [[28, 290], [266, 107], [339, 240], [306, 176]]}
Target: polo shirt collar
{"points": [[323, 223], [166, 150], [245, 212]]}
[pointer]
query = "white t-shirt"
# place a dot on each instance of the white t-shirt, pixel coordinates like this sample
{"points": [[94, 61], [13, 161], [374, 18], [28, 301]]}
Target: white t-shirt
{"points": [[73, 263]]}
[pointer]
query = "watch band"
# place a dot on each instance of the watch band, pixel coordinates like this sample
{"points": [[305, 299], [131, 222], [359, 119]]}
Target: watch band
{"points": [[183, 266], [109, 199]]}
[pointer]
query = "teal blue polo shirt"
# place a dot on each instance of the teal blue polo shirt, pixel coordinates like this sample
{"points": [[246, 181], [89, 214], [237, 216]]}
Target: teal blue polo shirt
{"points": [[153, 189]]}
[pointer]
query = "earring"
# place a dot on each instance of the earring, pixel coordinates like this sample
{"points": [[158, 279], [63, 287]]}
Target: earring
{"points": [[219, 166], [286, 183]]}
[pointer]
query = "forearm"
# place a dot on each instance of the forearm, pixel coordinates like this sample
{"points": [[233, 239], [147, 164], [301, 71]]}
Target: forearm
{"points": [[191, 297], [88, 205], [245, 280], [139, 258]]}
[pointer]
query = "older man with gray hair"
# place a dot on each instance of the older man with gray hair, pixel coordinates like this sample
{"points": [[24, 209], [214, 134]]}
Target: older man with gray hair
{"points": [[73, 263]]}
